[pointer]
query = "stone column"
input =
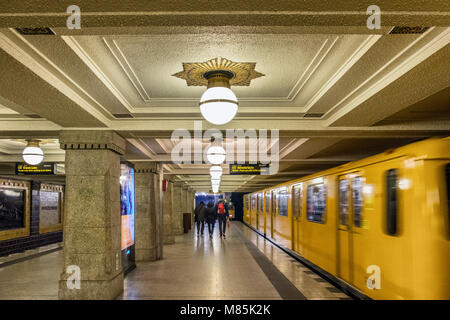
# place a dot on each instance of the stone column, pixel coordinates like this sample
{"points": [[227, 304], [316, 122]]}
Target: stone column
{"points": [[159, 213], [92, 223], [191, 204], [177, 208], [185, 199], [147, 211], [168, 223]]}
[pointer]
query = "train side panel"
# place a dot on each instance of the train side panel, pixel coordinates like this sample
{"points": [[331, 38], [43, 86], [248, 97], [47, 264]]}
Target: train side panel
{"points": [[381, 225], [430, 240], [318, 238]]}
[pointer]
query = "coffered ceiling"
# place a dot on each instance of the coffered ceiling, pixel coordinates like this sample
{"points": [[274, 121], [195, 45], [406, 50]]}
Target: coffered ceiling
{"points": [[335, 90]]}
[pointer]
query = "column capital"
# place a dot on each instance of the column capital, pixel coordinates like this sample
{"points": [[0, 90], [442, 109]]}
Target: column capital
{"points": [[92, 140], [146, 167], [178, 184], [168, 178]]}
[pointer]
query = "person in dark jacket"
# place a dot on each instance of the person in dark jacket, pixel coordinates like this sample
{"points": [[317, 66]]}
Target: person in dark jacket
{"points": [[210, 218], [199, 214], [222, 215]]}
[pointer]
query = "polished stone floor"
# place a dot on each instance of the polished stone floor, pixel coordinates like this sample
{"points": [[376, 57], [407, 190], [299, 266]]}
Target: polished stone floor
{"points": [[244, 266]]}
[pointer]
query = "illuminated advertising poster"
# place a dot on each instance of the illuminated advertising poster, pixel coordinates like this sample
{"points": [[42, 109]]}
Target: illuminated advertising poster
{"points": [[12, 209], [127, 208], [127, 205]]}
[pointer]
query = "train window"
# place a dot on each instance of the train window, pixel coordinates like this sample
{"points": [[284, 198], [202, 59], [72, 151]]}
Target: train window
{"points": [[357, 201], [247, 205], [343, 201], [316, 203], [282, 203], [267, 202], [391, 202], [297, 201]]}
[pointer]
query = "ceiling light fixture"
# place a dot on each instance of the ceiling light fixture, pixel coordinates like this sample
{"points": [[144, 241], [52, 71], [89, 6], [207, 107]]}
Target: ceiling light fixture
{"points": [[33, 154], [215, 171], [216, 154], [218, 103]]}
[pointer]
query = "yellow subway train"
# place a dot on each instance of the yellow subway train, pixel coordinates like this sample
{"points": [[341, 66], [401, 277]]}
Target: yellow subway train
{"points": [[380, 225]]}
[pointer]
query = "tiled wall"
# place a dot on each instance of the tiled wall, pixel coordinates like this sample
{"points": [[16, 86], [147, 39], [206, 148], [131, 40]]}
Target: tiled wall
{"points": [[35, 239]]}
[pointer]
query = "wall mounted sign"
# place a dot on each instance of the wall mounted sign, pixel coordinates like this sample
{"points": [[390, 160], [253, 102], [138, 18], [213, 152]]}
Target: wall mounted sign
{"points": [[42, 168], [251, 169]]}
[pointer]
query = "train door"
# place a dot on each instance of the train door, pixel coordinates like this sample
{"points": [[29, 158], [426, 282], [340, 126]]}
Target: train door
{"points": [[267, 215], [257, 210], [296, 197], [344, 230], [273, 212], [261, 212], [349, 216], [246, 220], [253, 211]]}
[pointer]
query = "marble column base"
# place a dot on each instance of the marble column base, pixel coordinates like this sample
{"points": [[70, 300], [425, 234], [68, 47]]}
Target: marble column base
{"points": [[169, 239], [147, 254], [93, 289]]}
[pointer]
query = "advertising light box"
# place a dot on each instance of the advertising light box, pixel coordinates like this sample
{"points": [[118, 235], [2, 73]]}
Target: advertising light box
{"points": [[127, 209]]}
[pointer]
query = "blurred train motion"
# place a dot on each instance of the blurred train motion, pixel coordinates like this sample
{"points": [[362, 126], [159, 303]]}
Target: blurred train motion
{"points": [[380, 225]]}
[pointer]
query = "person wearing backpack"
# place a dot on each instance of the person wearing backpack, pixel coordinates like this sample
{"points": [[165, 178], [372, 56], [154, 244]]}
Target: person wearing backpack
{"points": [[222, 216]]}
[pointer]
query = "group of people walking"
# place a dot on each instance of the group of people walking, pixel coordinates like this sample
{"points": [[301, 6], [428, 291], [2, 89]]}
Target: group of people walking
{"points": [[209, 213]]}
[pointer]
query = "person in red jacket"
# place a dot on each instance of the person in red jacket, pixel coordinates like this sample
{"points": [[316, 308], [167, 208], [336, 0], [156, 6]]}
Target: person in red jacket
{"points": [[222, 216]]}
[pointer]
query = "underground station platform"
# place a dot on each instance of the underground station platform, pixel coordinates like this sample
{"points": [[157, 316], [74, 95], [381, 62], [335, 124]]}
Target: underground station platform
{"points": [[225, 159]]}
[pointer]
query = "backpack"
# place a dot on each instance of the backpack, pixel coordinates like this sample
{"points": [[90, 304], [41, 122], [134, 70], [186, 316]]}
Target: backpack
{"points": [[221, 208]]}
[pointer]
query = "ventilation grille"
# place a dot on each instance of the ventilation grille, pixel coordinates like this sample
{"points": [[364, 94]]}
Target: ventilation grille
{"points": [[123, 115], [408, 30], [33, 115], [35, 31], [313, 115]]}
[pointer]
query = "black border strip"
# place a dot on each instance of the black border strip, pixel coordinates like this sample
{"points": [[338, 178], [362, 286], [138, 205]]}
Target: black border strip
{"points": [[285, 288], [31, 256], [338, 283]]}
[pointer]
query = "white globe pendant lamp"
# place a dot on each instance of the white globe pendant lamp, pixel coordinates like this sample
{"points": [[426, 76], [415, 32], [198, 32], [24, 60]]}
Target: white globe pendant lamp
{"points": [[216, 154], [215, 171], [33, 154], [218, 103]]}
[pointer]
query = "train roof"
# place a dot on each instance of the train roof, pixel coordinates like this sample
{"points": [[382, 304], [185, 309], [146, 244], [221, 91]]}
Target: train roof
{"points": [[432, 148]]}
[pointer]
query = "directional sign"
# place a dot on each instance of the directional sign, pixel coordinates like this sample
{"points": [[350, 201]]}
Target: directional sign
{"points": [[42, 168], [250, 169]]}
